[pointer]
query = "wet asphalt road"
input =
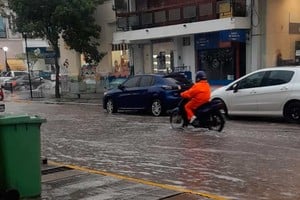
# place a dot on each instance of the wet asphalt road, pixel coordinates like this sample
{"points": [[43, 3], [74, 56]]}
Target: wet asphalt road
{"points": [[250, 159]]}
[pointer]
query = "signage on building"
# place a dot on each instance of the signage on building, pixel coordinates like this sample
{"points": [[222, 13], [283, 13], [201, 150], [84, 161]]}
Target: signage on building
{"points": [[214, 39], [233, 35], [43, 52], [207, 40]]}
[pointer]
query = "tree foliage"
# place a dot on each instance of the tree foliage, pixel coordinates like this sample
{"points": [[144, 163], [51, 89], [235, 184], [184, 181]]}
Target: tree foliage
{"points": [[72, 20]]}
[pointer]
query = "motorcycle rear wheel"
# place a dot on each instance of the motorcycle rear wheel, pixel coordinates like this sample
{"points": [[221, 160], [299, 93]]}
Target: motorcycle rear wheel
{"points": [[176, 120], [216, 122]]}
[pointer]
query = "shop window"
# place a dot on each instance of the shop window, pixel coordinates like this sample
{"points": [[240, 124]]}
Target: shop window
{"points": [[218, 63]]}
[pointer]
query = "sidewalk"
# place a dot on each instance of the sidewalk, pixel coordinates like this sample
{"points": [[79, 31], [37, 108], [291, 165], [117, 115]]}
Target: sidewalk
{"points": [[64, 183], [87, 98]]}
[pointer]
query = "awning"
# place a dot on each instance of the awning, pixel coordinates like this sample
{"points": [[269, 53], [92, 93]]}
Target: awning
{"points": [[14, 64]]}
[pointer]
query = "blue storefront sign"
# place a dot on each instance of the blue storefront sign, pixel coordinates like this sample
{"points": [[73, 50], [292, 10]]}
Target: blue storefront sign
{"points": [[233, 35], [44, 52], [207, 40], [212, 40]]}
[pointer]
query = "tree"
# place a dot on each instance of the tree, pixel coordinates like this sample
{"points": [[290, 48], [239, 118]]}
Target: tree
{"points": [[71, 20]]}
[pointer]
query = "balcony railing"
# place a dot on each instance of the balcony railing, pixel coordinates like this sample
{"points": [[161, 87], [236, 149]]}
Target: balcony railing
{"points": [[178, 14]]}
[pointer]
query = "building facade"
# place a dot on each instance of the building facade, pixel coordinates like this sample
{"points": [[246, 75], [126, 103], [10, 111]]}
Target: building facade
{"points": [[15, 48], [170, 36], [226, 38]]}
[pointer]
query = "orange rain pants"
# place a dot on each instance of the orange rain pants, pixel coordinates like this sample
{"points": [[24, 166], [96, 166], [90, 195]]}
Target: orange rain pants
{"points": [[198, 94]]}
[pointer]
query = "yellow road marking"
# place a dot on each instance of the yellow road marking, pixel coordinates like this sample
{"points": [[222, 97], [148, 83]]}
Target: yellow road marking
{"points": [[136, 180]]}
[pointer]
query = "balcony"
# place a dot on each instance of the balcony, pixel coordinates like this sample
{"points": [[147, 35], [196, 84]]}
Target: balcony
{"points": [[179, 14]]}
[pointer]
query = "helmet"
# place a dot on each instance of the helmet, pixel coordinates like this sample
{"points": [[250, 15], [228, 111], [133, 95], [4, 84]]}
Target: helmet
{"points": [[200, 75]]}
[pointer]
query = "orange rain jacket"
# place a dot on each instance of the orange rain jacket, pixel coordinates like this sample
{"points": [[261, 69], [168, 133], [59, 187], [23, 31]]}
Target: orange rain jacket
{"points": [[198, 94]]}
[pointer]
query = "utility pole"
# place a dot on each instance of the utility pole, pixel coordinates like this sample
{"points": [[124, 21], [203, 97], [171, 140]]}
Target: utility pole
{"points": [[28, 64]]}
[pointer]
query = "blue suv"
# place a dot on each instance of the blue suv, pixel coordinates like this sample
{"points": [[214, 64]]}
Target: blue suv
{"points": [[150, 92]]}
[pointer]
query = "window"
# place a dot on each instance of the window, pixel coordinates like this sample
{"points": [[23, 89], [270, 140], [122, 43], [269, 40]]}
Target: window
{"points": [[147, 18], [160, 16], [174, 14], [206, 9], [146, 81], [132, 82], [277, 77], [2, 28], [251, 81], [189, 12]]}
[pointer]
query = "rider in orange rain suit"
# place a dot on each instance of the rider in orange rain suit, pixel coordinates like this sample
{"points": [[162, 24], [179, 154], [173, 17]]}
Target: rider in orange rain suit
{"points": [[198, 94]]}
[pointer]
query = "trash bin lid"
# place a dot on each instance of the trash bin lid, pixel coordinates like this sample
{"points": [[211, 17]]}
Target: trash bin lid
{"points": [[20, 119]]}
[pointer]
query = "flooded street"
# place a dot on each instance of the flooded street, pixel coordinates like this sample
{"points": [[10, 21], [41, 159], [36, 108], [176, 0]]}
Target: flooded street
{"points": [[250, 159]]}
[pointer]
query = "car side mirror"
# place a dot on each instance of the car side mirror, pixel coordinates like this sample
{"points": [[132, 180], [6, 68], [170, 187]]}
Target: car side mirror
{"points": [[235, 88], [121, 87]]}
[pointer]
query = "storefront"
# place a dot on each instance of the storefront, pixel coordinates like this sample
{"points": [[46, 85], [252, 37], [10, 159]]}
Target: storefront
{"points": [[163, 56], [222, 55], [120, 60]]}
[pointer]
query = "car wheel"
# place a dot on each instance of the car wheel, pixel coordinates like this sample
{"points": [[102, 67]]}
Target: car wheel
{"points": [[292, 112], [110, 106], [156, 107]]}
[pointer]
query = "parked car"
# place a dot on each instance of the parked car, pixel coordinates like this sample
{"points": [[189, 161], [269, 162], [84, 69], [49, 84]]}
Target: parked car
{"points": [[266, 92], [5, 76], [151, 92], [17, 82]]}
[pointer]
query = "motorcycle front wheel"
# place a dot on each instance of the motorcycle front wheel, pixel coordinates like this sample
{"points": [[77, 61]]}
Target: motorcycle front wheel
{"points": [[216, 122], [176, 120]]}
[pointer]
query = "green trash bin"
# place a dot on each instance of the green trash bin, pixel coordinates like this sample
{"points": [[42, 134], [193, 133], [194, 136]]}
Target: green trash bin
{"points": [[20, 154]]}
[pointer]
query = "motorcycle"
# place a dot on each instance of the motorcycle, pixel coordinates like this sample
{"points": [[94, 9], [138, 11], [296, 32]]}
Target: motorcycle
{"points": [[208, 116]]}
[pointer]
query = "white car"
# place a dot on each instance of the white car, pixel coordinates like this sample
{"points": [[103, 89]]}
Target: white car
{"points": [[273, 92], [5, 76]]}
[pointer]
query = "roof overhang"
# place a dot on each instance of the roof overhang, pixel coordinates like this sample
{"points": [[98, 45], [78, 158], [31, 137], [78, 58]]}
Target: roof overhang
{"points": [[182, 29]]}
